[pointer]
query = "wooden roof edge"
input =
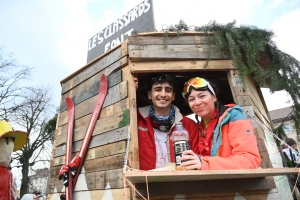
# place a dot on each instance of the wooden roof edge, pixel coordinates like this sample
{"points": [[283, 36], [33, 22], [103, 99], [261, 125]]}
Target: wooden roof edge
{"points": [[91, 63], [160, 33]]}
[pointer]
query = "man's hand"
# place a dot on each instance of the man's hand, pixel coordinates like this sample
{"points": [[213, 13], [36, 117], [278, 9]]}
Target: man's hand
{"points": [[190, 160]]}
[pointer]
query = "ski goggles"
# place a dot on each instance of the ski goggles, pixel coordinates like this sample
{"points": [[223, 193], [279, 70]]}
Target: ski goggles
{"points": [[198, 84]]}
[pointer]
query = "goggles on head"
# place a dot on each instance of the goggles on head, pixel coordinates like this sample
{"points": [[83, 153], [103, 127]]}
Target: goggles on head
{"points": [[198, 84]]}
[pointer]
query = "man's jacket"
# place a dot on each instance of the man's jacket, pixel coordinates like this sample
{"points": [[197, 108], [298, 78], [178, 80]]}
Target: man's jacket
{"points": [[234, 143], [147, 149]]}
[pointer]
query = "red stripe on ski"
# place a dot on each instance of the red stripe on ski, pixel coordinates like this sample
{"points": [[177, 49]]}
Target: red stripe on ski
{"points": [[89, 131], [70, 106]]}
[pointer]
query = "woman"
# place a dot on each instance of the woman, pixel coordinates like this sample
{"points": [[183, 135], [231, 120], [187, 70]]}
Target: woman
{"points": [[227, 139]]}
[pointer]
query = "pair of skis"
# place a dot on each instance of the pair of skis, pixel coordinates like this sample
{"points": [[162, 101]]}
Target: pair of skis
{"points": [[69, 172]]}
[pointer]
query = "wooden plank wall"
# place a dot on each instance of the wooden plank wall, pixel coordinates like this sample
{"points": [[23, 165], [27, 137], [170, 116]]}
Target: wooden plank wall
{"points": [[249, 99], [102, 173]]}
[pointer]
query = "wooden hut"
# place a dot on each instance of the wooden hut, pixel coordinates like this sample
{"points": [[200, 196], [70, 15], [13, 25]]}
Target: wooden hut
{"points": [[115, 135]]}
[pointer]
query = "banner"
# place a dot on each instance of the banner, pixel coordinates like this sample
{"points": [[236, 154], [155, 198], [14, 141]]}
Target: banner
{"points": [[139, 19]]}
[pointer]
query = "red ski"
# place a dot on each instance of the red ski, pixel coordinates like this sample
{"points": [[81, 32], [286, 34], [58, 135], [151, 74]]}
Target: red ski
{"points": [[77, 162], [65, 173]]}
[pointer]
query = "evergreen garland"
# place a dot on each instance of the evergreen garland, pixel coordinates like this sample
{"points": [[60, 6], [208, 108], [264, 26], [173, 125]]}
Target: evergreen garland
{"points": [[249, 47]]}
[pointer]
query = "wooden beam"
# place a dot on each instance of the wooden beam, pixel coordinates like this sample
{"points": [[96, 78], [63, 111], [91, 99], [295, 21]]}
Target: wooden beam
{"points": [[152, 55], [175, 66], [205, 186], [174, 176]]}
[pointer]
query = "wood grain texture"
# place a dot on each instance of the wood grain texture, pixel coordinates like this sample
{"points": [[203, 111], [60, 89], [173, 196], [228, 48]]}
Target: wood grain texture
{"points": [[151, 55], [172, 40], [97, 140], [81, 112], [96, 194], [94, 153], [89, 71], [89, 88], [112, 122], [205, 186], [114, 95], [174, 176], [175, 66]]}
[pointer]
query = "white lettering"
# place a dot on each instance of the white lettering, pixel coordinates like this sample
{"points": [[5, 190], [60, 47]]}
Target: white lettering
{"points": [[122, 38], [115, 27], [114, 43], [133, 14], [147, 4], [127, 20], [89, 45], [141, 9], [106, 47], [94, 40], [129, 32], [100, 39], [121, 24], [110, 31], [105, 33]]}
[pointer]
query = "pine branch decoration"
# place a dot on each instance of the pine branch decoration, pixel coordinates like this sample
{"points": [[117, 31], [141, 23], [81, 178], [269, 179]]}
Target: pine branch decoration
{"points": [[248, 46]]}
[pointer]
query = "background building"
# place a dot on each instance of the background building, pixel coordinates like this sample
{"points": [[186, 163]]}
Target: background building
{"points": [[280, 115], [38, 181]]}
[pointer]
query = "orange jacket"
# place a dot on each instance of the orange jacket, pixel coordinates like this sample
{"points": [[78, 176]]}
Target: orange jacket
{"points": [[234, 143]]}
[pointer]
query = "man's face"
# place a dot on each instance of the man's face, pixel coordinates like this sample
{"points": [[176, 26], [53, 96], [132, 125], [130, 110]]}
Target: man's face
{"points": [[161, 95], [35, 197]]}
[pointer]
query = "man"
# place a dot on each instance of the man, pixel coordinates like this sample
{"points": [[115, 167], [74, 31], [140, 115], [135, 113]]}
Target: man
{"points": [[157, 121]]}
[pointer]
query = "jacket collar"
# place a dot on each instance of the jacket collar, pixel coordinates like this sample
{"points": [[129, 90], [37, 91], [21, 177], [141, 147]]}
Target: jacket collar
{"points": [[145, 112]]}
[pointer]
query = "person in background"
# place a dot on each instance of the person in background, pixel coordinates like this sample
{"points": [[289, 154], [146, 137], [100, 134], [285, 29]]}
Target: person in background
{"points": [[30, 197], [227, 139], [291, 154], [156, 122]]}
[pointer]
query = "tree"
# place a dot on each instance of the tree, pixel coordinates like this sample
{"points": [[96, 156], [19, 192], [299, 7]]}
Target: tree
{"points": [[11, 77], [26, 108], [33, 116]]}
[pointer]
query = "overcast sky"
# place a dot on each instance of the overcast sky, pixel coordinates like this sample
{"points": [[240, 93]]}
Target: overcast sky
{"points": [[52, 36]]}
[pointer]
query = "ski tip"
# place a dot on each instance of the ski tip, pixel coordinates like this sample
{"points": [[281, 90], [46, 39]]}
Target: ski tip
{"points": [[69, 102], [103, 78]]}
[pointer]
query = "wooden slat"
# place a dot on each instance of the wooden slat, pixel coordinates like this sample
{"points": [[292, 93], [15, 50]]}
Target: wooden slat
{"points": [[173, 66], [115, 121], [98, 140], [89, 88], [114, 59], [175, 48], [173, 176], [205, 186], [96, 194], [99, 180], [152, 55], [105, 163], [133, 157], [172, 40], [105, 112], [242, 195], [114, 95], [94, 153]]}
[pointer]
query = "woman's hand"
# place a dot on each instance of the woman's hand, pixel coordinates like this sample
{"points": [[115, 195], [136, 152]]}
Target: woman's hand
{"points": [[190, 160]]}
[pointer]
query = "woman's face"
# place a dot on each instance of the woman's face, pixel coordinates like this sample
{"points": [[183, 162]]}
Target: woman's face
{"points": [[202, 103]]}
